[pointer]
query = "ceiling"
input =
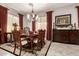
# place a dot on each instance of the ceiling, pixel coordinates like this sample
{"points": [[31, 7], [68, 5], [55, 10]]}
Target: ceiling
{"points": [[38, 7]]}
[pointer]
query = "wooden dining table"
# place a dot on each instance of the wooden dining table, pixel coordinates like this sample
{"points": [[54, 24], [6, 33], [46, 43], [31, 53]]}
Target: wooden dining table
{"points": [[31, 38], [23, 35]]}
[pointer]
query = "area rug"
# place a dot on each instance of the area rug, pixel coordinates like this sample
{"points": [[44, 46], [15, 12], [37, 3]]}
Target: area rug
{"points": [[9, 47]]}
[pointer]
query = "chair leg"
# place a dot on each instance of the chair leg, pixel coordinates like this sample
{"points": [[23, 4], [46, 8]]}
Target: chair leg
{"points": [[14, 49], [20, 51]]}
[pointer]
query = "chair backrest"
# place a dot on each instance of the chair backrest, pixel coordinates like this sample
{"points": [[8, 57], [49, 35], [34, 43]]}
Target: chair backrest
{"points": [[26, 30], [16, 37], [41, 34], [30, 32]]}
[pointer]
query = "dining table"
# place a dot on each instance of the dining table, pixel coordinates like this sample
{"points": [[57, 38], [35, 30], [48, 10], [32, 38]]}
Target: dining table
{"points": [[31, 38]]}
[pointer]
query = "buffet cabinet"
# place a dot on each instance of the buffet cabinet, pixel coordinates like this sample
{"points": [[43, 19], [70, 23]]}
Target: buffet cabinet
{"points": [[66, 36]]}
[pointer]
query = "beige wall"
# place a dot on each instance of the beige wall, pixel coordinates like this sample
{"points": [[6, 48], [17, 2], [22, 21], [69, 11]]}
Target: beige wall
{"points": [[67, 10]]}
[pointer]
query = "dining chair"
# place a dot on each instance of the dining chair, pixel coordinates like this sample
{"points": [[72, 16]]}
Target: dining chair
{"points": [[39, 41], [42, 37], [17, 41]]}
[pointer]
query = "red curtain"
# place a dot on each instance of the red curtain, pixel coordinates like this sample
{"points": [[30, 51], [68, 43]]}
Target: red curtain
{"points": [[21, 21], [78, 14], [33, 26], [49, 25], [3, 22]]}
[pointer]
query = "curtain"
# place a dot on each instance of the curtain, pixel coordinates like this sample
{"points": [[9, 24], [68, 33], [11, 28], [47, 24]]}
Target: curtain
{"points": [[49, 25], [21, 21], [33, 26], [3, 21], [78, 14]]}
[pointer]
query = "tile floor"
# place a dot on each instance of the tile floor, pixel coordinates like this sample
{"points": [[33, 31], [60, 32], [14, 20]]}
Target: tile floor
{"points": [[60, 49]]}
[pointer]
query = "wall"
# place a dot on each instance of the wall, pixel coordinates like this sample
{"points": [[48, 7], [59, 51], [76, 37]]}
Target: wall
{"points": [[67, 10]]}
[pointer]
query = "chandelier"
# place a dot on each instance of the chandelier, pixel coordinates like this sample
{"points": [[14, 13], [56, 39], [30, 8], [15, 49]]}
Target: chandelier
{"points": [[33, 15]]}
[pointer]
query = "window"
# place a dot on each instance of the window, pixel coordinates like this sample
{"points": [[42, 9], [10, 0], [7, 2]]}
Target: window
{"points": [[12, 19], [41, 23]]}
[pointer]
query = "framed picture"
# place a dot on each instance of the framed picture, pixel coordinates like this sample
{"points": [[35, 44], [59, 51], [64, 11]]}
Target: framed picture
{"points": [[63, 20]]}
